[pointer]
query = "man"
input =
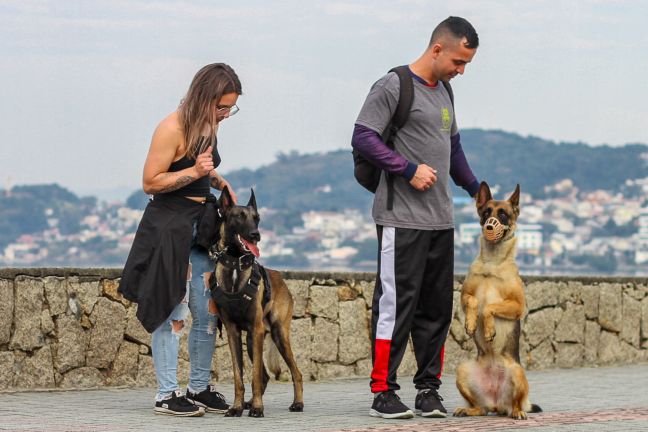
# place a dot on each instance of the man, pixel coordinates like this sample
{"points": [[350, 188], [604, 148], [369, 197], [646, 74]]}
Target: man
{"points": [[416, 237]]}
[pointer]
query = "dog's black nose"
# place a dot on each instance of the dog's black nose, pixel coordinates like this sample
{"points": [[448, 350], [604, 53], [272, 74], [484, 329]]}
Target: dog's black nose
{"points": [[255, 235], [489, 227]]}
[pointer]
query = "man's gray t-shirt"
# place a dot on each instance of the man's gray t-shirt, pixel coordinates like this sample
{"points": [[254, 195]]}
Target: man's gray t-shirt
{"points": [[425, 138]]}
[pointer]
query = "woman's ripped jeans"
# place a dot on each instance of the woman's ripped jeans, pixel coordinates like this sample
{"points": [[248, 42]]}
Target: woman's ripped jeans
{"points": [[166, 338]]}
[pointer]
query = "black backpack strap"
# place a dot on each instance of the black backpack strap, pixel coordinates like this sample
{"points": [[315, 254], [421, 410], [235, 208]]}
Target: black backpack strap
{"points": [[405, 99], [398, 120], [448, 88]]}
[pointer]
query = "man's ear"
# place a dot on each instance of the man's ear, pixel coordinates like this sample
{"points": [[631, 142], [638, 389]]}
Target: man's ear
{"points": [[484, 195], [514, 199], [225, 199], [252, 201], [435, 50]]}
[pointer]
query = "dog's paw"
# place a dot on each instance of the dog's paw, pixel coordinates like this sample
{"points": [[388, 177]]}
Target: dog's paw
{"points": [[460, 412], [489, 335], [470, 412], [234, 412], [256, 412], [297, 407], [519, 415], [470, 328]]}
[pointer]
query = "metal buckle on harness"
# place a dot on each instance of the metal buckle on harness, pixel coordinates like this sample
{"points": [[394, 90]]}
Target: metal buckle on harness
{"points": [[215, 254], [241, 263]]}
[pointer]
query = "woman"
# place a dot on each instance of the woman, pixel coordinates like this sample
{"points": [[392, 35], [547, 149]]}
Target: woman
{"points": [[166, 271]]}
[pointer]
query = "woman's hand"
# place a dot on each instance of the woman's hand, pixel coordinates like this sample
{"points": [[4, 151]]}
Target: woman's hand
{"points": [[204, 163]]}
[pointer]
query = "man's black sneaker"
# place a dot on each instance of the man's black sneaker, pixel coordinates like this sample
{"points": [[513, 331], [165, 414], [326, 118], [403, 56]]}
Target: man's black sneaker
{"points": [[428, 404], [388, 405], [209, 399], [178, 405]]}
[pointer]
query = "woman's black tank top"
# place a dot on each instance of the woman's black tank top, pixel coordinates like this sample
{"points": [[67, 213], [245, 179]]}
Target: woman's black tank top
{"points": [[199, 187]]}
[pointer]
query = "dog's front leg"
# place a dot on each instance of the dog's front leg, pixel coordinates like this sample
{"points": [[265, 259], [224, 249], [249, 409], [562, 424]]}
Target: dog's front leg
{"points": [[256, 410], [470, 306], [234, 340], [507, 309]]}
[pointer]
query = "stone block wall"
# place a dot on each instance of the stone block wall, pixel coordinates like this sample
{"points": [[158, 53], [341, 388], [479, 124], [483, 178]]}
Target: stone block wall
{"points": [[69, 328]]}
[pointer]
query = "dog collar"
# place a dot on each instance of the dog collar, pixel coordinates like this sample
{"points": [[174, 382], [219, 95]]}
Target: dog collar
{"points": [[240, 263]]}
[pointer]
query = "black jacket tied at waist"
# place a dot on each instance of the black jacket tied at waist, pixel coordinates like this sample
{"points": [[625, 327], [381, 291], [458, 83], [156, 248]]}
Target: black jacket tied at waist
{"points": [[155, 273]]}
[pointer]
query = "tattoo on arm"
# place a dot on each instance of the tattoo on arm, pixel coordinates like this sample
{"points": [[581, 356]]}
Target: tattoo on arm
{"points": [[217, 182], [180, 182]]}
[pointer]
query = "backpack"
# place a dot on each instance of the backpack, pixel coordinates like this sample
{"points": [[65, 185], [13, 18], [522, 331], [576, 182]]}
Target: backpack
{"points": [[366, 173]]}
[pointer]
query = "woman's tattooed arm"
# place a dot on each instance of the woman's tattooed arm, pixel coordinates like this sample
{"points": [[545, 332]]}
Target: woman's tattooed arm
{"points": [[216, 181], [175, 185]]}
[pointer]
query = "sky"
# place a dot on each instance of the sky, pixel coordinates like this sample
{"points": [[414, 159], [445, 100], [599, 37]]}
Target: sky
{"points": [[85, 83]]}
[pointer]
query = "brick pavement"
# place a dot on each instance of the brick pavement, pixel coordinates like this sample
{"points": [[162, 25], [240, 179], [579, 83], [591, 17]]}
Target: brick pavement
{"points": [[603, 399]]}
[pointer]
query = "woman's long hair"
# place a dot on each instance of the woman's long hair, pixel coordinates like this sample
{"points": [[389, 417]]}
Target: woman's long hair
{"points": [[199, 106]]}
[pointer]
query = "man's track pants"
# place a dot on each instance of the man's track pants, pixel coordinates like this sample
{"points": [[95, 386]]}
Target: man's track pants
{"points": [[413, 294]]}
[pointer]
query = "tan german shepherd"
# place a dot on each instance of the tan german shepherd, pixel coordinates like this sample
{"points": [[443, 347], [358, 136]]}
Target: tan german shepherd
{"points": [[251, 298], [492, 297]]}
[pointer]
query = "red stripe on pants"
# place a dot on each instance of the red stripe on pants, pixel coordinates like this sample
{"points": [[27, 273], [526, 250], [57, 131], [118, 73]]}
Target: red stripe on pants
{"points": [[381, 366], [441, 357]]}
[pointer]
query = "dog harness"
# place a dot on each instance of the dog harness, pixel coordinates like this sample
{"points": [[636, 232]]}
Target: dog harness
{"points": [[236, 304]]}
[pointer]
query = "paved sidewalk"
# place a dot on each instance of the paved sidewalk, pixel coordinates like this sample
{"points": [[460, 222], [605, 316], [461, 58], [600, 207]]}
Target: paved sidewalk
{"points": [[604, 399]]}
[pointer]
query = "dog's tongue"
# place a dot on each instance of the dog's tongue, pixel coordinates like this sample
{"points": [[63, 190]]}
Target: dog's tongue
{"points": [[251, 247]]}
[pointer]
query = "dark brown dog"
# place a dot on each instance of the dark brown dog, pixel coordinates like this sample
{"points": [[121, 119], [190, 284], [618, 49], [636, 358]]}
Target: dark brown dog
{"points": [[243, 306], [492, 297]]}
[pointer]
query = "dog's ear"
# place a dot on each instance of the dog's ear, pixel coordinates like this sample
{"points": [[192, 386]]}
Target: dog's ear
{"points": [[483, 196], [252, 201], [514, 199], [225, 199]]}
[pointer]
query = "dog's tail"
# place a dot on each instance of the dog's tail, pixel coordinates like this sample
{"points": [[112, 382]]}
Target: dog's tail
{"points": [[274, 360], [531, 408], [535, 408]]}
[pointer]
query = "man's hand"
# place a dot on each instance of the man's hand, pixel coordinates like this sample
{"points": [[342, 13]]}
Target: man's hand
{"points": [[204, 163], [424, 178]]}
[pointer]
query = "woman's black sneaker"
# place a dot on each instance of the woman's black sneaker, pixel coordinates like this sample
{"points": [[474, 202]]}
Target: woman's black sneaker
{"points": [[428, 404], [178, 405], [209, 399], [388, 405]]}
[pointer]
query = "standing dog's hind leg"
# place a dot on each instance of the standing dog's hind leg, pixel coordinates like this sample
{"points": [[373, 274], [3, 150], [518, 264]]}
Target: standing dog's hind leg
{"points": [[282, 342]]}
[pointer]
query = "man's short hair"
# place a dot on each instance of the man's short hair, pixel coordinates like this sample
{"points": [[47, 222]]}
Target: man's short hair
{"points": [[458, 28]]}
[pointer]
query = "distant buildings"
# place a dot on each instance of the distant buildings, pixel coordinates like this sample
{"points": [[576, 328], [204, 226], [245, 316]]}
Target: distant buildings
{"points": [[566, 232], [641, 251]]}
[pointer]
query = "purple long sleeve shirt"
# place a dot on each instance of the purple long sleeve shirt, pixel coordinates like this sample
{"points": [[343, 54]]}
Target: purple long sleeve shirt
{"points": [[371, 146]]}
